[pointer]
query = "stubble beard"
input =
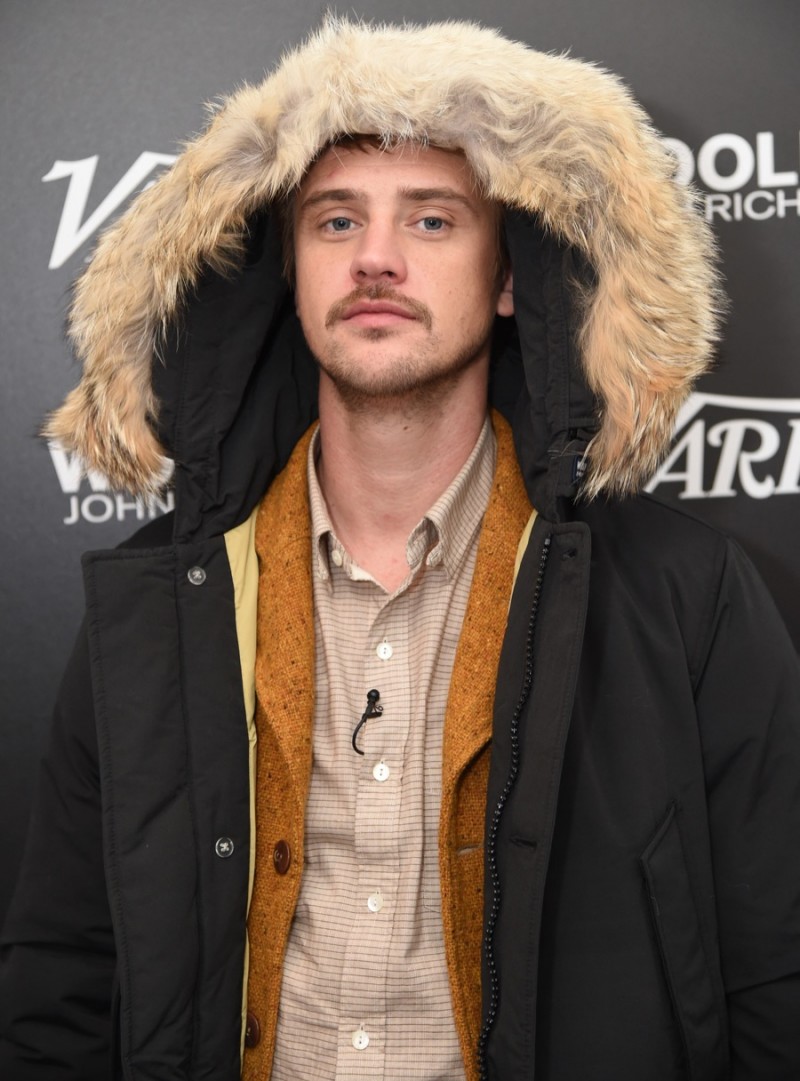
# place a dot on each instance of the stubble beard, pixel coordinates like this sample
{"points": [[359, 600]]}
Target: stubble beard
{"points": [[416, 381]]}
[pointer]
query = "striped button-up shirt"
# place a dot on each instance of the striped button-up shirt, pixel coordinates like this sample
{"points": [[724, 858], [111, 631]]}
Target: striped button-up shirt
{"points": [[365, 992]]}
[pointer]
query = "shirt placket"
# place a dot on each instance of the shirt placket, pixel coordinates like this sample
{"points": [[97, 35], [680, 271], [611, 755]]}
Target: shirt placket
{"points": [[377, 843]]}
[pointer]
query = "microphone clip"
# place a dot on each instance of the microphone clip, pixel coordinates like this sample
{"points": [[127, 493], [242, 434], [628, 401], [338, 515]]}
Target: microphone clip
{"points": [[372, 710]]}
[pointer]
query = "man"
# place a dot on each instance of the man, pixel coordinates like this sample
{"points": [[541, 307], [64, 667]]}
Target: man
{"points": [[524, 798]]}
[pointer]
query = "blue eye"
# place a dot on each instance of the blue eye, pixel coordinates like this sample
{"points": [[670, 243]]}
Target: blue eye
{"points": [[432, 224], [339, 225]]}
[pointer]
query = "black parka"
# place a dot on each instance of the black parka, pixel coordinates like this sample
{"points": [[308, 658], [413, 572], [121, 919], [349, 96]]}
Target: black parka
{"points": [[642, 904]]}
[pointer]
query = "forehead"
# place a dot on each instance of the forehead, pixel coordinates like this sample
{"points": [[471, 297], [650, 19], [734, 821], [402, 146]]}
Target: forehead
{"points": [[364, 168]]}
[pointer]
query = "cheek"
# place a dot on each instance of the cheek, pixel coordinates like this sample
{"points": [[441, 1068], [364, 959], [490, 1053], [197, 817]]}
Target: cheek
{"points": [[319, 281], [479, 276], [476, 294], [305, 312], [308, 298]]}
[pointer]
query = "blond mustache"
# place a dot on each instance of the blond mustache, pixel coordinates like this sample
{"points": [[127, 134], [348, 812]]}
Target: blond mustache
{"points": [[379, 291]]}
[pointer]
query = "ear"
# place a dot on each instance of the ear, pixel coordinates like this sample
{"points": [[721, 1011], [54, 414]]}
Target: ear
{"points": [[505, 302]]}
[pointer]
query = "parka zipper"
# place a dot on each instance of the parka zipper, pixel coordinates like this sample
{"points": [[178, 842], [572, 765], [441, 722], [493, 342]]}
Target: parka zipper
{"points": [[491, 844]]}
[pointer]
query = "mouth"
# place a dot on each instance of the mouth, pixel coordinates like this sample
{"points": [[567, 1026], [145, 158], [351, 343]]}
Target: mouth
{"points": [[376, 313], [378, 308]]}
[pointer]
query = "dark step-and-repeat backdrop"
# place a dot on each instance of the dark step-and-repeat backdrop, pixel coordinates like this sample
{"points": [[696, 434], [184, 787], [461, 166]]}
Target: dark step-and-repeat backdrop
{"points": [[97, 96]]}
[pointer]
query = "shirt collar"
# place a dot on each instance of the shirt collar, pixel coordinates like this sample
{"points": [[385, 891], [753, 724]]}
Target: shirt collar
{"points": [[459, 510], [442, 536]]}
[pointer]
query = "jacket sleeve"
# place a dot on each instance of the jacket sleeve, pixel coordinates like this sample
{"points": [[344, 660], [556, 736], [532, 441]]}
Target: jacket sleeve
{"points": [[57, 946], [749, 710]]}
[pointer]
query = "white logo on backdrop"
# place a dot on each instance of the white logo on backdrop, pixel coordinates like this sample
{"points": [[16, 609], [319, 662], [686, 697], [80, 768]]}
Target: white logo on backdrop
{"points": [[754, 455], [773, 191], [89, 498], [73, 230]]}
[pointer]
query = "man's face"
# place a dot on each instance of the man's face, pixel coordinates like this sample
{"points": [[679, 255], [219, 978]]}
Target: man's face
{"points": [[397, 276]]}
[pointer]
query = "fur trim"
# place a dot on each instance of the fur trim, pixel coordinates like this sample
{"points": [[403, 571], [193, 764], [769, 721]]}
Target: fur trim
{"points": [[545, 133]]}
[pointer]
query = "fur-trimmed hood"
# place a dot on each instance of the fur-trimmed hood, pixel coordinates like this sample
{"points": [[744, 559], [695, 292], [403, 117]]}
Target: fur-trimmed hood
{"points": [[589, 185]]}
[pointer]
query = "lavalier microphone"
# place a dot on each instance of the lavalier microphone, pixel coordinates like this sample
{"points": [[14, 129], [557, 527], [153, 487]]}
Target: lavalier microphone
{"points": [[372, 710]]}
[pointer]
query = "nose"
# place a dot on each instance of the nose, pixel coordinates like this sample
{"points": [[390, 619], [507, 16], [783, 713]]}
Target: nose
{"points": [[378, 255]]}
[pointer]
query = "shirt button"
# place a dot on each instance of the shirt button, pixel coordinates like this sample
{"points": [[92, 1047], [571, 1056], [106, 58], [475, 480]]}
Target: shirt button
{"points": [[384, 650], [360, 1039], [196, 576], [337, 557], [282, 857], [224, 847], [380, 771], [252, 1031], [375, 901]]}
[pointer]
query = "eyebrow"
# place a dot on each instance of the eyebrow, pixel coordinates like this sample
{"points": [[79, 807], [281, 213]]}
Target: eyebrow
{"points": [[416, 195]]}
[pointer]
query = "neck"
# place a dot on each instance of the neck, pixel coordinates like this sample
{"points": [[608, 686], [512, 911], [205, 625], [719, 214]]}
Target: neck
{"points": [[382, 468]]}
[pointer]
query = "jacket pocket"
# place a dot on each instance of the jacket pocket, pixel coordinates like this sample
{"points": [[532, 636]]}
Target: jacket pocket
{"points": [[680, 942]]}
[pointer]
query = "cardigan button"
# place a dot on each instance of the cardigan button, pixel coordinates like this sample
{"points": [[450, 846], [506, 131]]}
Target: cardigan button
{"points": [[282, 857], [252, 1031]]}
